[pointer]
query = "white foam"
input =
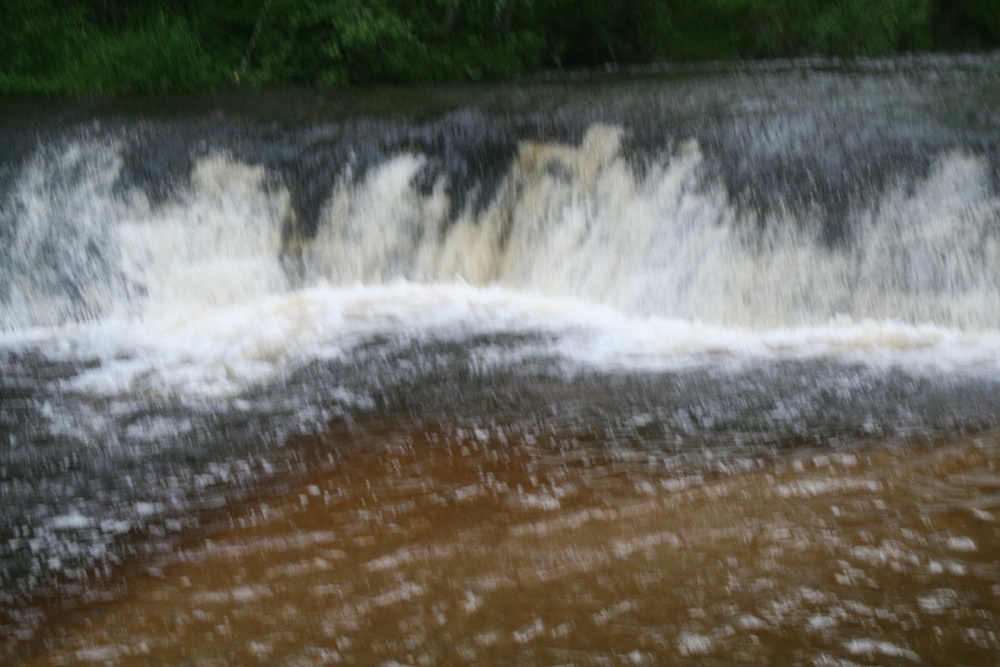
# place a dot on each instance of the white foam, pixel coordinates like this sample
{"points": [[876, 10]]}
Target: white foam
{"points": [[871, 647], [221, 352], [962, 544], [693, 643], [73, 520]]}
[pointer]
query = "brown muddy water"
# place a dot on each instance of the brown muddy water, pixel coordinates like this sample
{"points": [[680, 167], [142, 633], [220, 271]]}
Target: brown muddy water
{"points": [[436, 548]]}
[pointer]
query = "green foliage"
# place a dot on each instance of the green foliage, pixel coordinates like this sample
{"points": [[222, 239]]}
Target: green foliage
{"points": [[476, 39], [585, 32], [969, 24], [76, 46], [61, 51], [335, 43], [163, 56], [35, 42], [838, 27]]}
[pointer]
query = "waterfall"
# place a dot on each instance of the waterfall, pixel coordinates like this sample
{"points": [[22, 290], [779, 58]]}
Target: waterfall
{"points": [[567, 220]]}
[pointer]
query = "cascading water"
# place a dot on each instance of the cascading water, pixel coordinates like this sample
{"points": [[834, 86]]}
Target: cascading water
{"points": [[711, 269], [566, 221]]}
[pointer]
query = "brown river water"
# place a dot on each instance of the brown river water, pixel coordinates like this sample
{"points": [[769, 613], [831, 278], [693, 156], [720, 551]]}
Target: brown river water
{"points": [[434, 548]]}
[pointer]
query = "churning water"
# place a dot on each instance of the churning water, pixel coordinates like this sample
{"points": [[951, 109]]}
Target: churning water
{"points": [[665, 365]]}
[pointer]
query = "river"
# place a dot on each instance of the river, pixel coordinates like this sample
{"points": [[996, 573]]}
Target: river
{"points": [[687, 364]]}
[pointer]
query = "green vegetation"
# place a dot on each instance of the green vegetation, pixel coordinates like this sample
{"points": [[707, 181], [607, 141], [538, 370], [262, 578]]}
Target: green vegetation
{"points": [[78, 46]]}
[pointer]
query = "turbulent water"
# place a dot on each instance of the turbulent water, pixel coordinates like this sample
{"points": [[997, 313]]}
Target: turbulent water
{"points": [[676, 365]]}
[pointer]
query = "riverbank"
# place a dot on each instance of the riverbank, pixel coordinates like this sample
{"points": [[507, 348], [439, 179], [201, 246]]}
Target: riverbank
{"points": [[82, 47]]}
